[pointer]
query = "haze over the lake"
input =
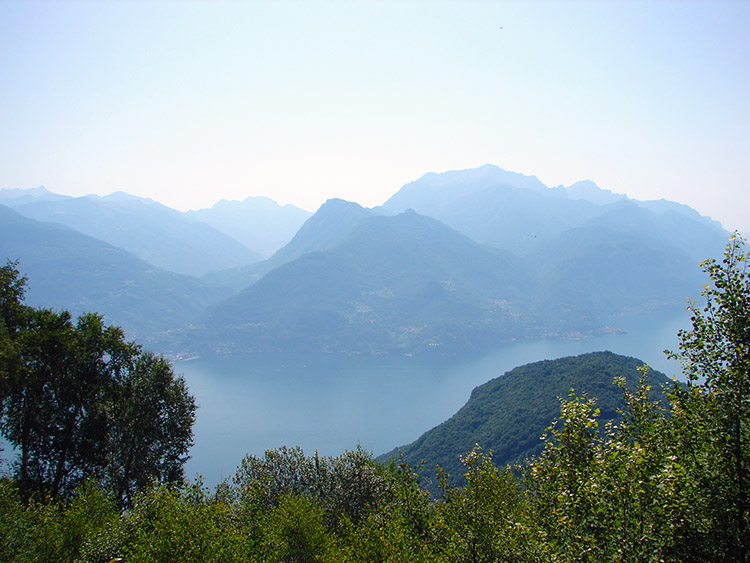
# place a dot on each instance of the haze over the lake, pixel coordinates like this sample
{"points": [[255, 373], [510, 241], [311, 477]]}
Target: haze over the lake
{"points": [[189, 102]]}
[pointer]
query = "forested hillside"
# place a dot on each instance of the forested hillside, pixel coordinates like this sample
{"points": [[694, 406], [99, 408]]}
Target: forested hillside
{"points": [[510, 413]]}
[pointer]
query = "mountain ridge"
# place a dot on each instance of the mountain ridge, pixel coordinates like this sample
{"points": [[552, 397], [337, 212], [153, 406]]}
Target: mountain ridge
{"points": [[154, 232], [67, 269]]}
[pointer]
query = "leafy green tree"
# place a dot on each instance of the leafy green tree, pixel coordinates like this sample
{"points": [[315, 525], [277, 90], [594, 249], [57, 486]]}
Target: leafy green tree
{"points": [[42, 531], [558, 481], [350, 485], [488, 519], [715, 355], [173, 523], [152, 414], [639, 481], [400, 529], [279, 471], [79, 402], [12, 289], [295, 531], [57, 398]]}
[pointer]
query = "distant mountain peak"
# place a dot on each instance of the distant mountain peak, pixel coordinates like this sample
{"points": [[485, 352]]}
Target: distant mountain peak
{"points": [[258, 222], [336, 203], [16, 196], [120, 195], [434, 192], [589, 191], [15, 192]]}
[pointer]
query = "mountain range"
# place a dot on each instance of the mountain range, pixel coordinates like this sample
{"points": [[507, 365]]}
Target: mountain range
{"points": [[452, 263], [518, 213], [69, 270], [187, 243]]}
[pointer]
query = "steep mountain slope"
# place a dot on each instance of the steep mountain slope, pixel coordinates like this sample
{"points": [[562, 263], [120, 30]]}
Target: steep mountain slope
{"points": [[508, 414], [600, 269], [69, 270], [335, 220], [664, 222], [400, 284], [257, 222], [151, 231]]}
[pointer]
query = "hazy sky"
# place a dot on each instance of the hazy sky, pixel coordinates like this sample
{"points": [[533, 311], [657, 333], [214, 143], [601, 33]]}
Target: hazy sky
{"points": [[190, 102]]}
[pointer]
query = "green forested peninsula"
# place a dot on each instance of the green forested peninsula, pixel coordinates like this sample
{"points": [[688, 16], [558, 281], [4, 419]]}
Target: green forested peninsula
{"points": [[509, 414], [668, 481]]}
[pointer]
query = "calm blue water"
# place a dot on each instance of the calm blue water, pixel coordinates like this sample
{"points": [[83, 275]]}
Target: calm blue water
{"points": [[251, 403]]}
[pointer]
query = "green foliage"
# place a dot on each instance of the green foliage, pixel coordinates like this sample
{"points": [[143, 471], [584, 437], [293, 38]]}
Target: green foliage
{"points": [[42, 531], [508, 414], [488, 520], [401, 529], [350, 485], [153, 414], [79, 402], [715, 406], [295, 531], [558, 481], [173, 524]]}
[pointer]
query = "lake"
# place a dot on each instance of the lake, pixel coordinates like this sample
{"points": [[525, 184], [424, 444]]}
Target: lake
{"points": [[250, 403]]}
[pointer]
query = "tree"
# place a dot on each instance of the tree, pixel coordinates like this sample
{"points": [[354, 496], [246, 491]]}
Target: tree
{"points": [[488, 519], [559, 481], [80, 402], [715, 355], [12, 287], [152, 416]]}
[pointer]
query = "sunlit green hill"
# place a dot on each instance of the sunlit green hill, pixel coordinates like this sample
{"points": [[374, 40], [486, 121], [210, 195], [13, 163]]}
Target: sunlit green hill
{"points": [[509, 414]]}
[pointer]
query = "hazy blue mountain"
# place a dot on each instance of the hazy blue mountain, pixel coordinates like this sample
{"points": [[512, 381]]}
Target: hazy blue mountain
{"points": [[156, 233], [15, 196], [401, 284], [70, 270], [658, 223], [434, 193], [334, 220], [257, 222], [515, 219], [508, 414], [589, 191], [689, 220], [518, 213], [501, 257], [600, 269]]}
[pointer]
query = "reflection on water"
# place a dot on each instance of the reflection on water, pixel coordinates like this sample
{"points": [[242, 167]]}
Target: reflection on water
{"points": [[249, 403]]}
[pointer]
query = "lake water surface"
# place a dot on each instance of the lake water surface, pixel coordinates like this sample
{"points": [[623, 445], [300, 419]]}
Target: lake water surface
{"points": [[250, 403]]}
